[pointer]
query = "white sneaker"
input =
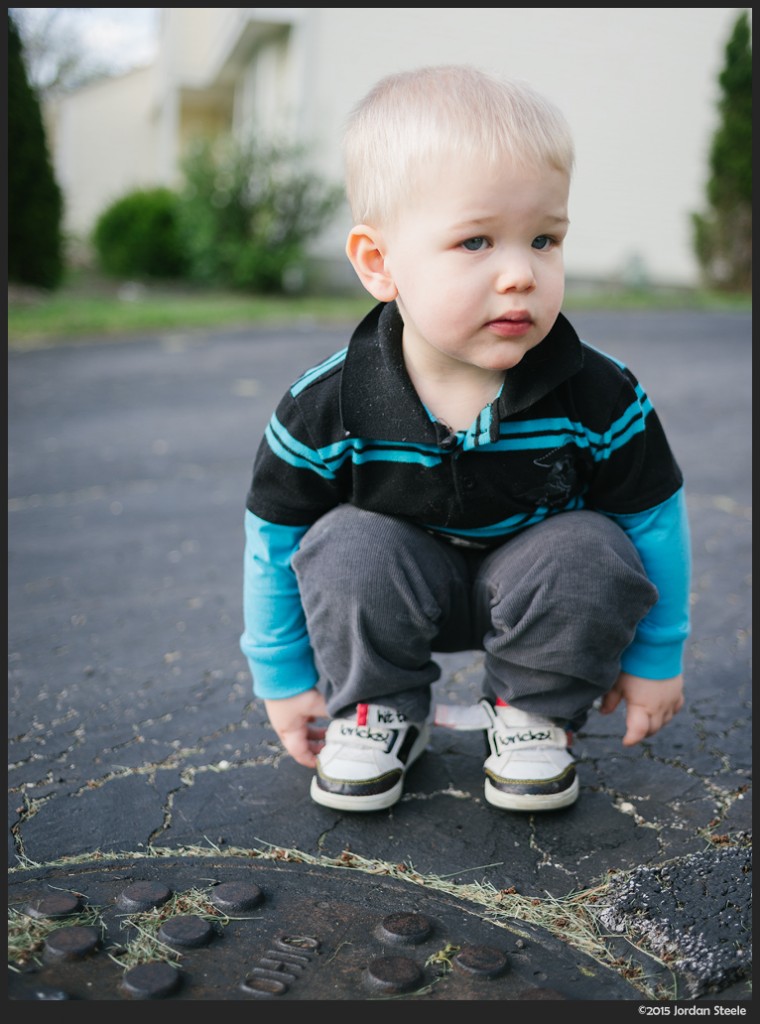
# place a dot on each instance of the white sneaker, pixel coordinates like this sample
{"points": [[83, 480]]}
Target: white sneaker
{"points": [[530, 767], [365, 757]]}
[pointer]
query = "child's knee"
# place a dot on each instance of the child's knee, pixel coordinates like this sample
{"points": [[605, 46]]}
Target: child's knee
{"points": [[350, 543], [341, 542], [604, 570], [584, 540]]}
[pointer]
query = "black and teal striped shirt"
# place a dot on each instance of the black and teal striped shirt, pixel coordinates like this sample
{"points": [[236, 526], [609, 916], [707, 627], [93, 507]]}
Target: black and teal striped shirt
{"points": [[572, 428]]}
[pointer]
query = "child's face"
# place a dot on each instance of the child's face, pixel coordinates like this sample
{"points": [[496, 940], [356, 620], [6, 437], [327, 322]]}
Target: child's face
{"points": [[477, 262]]}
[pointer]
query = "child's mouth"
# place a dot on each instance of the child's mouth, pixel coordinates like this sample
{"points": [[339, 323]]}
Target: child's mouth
{"points": [[512, 326]]}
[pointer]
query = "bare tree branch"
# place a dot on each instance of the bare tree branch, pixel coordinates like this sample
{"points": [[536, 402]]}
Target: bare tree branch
{"points": [[55, 55]]}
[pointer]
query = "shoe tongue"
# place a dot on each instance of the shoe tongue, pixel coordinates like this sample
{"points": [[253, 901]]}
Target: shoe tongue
{"points": [[514, 716], [376, 714]]}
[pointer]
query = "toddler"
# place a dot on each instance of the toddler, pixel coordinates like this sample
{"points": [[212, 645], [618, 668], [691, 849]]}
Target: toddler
{"points": [[466, 474]]}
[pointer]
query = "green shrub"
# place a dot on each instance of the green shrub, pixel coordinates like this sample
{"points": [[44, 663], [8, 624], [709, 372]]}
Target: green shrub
{"points": [[137, 236], [722, 234], [35, 201], [247, 211]]}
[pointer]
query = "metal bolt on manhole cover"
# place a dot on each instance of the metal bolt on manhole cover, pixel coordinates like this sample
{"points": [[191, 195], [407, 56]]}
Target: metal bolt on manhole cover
{"points": [[71, 943], [393, 975], [143, 896], [187, 931], [248, 929], [151, 981], [405, 928], [482, 960], [56, 904]]}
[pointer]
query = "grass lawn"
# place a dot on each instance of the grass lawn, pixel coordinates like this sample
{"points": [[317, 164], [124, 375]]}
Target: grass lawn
{"points": [[88, 308], [71, 315]]}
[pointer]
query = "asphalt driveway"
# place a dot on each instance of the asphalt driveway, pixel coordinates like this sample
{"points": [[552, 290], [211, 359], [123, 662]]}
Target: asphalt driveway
{"points": [[137, 754]]}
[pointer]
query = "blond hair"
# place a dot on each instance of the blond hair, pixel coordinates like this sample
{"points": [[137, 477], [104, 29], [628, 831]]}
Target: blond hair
{"points": [[410, 121]]}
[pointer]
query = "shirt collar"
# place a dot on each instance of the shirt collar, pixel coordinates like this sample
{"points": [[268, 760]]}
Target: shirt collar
{"points": [[378, 398]]}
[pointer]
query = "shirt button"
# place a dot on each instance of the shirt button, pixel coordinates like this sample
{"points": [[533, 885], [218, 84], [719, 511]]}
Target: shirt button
{"points": [[468, 483]]}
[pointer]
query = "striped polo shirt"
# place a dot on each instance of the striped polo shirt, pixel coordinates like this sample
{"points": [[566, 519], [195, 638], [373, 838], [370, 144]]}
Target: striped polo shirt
{"points": [[571, 428]]}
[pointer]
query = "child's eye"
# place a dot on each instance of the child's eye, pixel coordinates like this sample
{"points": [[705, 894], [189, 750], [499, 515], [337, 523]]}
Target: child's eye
{"points": [[476, 244], [542, 242]]}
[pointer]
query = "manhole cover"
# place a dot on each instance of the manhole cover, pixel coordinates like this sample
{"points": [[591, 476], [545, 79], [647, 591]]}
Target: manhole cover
{"points": [[251, 930]]}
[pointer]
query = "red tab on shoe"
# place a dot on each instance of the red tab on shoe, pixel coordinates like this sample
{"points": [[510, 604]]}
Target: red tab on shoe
{"points": [[361, 714]]}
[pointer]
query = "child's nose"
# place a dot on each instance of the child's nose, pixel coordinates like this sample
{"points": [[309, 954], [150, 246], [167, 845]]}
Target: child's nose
{"points": [[516, 274]]}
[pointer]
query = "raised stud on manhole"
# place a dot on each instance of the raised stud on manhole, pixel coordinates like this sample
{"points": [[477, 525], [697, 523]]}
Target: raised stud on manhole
{"points": [[143, 896], [236, 897], [393, 974], [187, 931], [483, 960], [59, 904], [73, 943], [405, 928], [151, 981]]}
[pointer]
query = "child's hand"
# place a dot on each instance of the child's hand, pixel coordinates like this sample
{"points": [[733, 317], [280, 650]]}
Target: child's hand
{"points": [[650, 704], [291, 719]]}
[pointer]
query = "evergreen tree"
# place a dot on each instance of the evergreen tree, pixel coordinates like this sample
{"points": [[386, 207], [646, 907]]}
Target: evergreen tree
{"points": [[723, 234], [35, 202]]}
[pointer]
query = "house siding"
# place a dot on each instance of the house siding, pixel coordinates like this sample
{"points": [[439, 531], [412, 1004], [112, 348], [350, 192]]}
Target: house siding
{"points": [[638, 86]]}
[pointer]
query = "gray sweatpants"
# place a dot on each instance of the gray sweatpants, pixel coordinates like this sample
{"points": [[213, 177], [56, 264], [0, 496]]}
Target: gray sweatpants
{"points": [[553, 608]]}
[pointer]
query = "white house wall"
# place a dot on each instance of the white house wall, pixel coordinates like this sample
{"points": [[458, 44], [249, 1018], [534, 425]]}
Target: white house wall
{"points": [[265, 98], [106, 144], [638, 85]]}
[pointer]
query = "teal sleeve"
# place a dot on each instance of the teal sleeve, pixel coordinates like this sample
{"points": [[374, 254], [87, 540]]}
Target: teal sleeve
{"points": [[275, 640], [661, 537]]}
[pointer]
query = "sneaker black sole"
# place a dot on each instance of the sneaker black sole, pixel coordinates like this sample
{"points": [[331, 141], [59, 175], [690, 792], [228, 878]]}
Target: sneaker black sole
{"points": [[347, 801], [511, 798]]}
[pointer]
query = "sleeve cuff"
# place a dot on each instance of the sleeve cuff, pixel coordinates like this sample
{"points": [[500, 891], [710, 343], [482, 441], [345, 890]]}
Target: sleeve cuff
{"points": [[654, 661], [280, 677]]}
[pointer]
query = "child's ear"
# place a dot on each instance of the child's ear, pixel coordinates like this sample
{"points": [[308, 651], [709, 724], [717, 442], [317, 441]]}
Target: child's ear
{"points": [[366, 251]]}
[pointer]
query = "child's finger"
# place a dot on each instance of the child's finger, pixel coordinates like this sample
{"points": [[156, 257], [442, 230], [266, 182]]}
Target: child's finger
{"points": [[637, 725], [299, 747], [610, 701]]}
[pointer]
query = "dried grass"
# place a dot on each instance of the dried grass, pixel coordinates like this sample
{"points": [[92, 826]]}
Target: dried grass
{"points": [[571, 918]]}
